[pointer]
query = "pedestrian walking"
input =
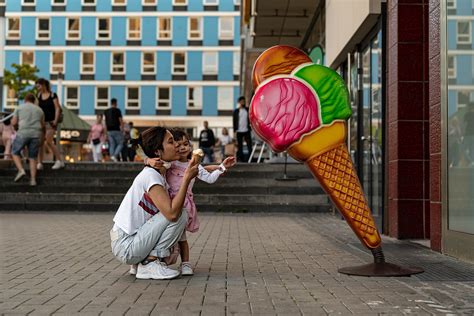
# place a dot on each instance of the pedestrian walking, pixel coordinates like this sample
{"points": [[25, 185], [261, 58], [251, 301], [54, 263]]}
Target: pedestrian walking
{"points": [[48, 101], [148, 223], [207, 142], [30, 134], [7, 133], [114, 125], [96, 138], [242, 129], [226, 144]]}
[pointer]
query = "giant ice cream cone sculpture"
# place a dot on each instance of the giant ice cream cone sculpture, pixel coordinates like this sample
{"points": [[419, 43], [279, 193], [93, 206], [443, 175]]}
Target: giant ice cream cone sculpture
{"points": [[305, 113]]}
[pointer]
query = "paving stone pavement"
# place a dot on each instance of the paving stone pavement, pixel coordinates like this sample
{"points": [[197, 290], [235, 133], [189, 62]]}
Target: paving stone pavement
{"points": [[262, 264]]}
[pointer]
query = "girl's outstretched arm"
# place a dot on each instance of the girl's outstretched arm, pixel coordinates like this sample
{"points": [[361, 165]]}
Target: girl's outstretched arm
{"points": [[211, 177]]}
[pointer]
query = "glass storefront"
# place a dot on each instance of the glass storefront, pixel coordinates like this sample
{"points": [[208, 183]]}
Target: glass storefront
{"points": [[459, 87]]}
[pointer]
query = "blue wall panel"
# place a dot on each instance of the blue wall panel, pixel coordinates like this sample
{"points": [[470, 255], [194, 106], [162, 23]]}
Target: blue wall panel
{"points": [[88, 31], [210, 31], [147, 100], [237, 95], [28, 31], [209, 105], [104, 6], [43, 5], [452, 34], [464, 7], [226, 5], [178, 103], [237, 31], [464, 70], [180, 31], [119, 25], [73, 60], [11, 57], [134, 6], [195, 6], [42, 62], [73, 6], [225, 66], [13, 6], [86, 99], [452, 102], [118, 92], [165, 5], [149, 31], [163, 66], [194, 65], [133, 66], [58, 36], [102, 65]]}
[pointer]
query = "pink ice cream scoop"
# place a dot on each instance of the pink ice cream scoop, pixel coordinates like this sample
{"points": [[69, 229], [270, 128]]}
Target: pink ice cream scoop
{"points": [[282, 110]]}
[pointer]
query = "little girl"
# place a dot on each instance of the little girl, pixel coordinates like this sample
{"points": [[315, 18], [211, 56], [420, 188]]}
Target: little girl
{"points": [[174, 177]]}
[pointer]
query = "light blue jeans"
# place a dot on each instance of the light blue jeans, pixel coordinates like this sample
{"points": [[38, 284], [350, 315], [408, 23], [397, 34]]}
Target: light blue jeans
{"points": [[115, 143], [154, 238]]}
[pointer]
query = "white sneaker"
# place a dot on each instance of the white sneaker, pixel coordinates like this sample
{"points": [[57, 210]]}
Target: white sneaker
{"points": [[58, 165], [133, 269], [186, 268], [32, 182], [113, 158], [19, 175], [39, 166], [156, 270]]}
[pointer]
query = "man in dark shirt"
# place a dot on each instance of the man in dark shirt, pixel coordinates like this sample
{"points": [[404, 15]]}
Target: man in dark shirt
{"points": [[114, 126], [207, 142], [242, 129]]}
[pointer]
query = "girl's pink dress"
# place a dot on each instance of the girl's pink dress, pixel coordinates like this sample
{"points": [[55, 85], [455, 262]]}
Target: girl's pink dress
{"points": [[174, 176]]}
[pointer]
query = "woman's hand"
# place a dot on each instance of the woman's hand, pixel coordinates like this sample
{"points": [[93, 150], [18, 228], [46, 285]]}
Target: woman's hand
{"points": [[155, 163], [229, 162]]}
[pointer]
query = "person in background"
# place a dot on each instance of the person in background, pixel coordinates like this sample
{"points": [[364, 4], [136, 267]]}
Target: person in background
{"points": [[134, 135], [126, 141], [242, 129], [224, 139], [7, 134], [207, 142], [114, 125], [31, 131], [49, 103], [469, 132], [96, 138]]}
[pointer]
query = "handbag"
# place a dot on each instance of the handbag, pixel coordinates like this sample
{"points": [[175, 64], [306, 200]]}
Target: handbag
{"points": [[96, 141], [229, 150]]}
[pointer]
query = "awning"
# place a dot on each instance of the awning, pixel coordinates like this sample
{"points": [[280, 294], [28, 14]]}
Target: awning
{"points": [[73, 128]]}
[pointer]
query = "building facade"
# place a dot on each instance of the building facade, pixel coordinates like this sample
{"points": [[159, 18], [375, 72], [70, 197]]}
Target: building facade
{"points": [[176, 62]]}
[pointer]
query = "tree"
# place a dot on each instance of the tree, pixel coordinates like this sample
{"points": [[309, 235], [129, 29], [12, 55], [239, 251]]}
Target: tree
{"points": [[21, 80]]}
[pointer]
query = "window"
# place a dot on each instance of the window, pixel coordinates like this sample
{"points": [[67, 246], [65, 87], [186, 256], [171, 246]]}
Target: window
{"points": [[164, 97], [451, 67], [164, 28], [27, 58], [57, 62], [226, 28], [148, 2], [118, 63], [464, 32], [88, 2], [43, 29], [211, 2], [236, 2], [72, 97], [134, 29], [11, 99], [194, 97], [133, 98], [148, 63], [103, 29], [180, 2], [236, 63], [73, 28], [58, 2], [195, 28], [102, 97], [13, 28], [179, 63], [209, 60], [87, 63], [451, 4], [225, 98], [119, 2], [28, 2]]}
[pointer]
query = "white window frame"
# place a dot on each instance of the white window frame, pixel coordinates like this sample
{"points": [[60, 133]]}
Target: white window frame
{"points": [[135, 101], [158, 100], [10, 103], [185, 64], [148, 4], [128, 29], [27, 3], [237, 2], [38, 31], [52, 70], [226, 36], [114, 2], [200, 23], [452, 72], [468, 36], [158, 36], [454, 2], [88, 4], [68, 37], [210, 70], [29, 51], [206, 2], [67, 99], [236, 63], [98, 31], [112, 70], [97, 100], [183, 4], [197, 106], [9, 36], [222, 102], [143, 70], [53, 2], [82, 72]]}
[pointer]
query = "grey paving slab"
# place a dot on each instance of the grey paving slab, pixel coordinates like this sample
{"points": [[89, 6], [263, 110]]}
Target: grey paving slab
{"points": [[264, 264]]}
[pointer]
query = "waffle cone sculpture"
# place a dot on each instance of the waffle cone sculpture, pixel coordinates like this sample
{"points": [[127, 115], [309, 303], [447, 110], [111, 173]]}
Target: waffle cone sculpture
{"points": [[305, 113]]}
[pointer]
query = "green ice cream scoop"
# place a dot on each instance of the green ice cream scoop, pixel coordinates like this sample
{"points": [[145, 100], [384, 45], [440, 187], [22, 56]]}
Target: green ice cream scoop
{"points": [[331, 89]]}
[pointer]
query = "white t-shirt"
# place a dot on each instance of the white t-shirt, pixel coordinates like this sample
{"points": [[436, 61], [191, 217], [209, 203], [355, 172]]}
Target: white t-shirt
{"points": [[243, 123], [137, 207], [225, 139]]}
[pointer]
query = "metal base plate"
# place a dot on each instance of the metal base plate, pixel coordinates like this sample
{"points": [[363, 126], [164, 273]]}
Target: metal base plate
{"points": [[383, 269]]}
